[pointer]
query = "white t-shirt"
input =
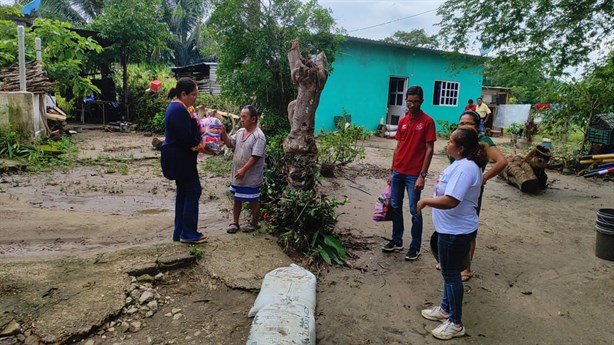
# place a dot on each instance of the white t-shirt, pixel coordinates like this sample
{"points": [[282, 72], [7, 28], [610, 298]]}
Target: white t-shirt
{"points": [[462, 180]]}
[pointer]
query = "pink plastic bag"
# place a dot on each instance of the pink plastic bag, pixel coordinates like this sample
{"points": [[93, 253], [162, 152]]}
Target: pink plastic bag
{"points": [[383, 211]]}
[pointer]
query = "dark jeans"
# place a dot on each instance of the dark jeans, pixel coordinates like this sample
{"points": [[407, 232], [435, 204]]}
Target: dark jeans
{"points": [[398, 184], [453, 257], [186, 209]]}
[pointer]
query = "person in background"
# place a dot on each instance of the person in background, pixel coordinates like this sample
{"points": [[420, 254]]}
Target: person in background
{"points": [[178, 159], [454, 203], [470, 105], [484, 111], [247, 168], [410, 164], [472, 119]]}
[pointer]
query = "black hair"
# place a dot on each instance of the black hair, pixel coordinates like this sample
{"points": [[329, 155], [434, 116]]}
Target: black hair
{"points": [[480, 99], [185, 84], [415, 91], [473, 150], [474, 116], [470, 101], [253, 111]]}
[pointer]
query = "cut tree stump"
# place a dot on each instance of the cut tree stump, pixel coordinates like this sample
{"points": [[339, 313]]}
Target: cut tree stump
{"points": [[300, 148]]}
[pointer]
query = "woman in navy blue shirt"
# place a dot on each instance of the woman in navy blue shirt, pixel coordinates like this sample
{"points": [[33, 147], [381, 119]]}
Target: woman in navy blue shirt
{"points": [[178, 159]]}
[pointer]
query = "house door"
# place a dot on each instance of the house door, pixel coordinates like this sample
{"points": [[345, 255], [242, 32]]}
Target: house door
{"points": [[396, 100]]}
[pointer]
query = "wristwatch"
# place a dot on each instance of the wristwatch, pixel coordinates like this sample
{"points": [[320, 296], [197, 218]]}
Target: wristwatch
{"points": [[423, 174]]}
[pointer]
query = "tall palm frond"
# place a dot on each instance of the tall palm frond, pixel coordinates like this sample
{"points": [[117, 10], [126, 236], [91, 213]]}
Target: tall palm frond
{"points": [[78, 12]]}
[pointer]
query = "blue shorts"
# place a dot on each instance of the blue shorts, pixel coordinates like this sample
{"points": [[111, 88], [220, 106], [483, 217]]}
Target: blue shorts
{"points": [[245, 193]]}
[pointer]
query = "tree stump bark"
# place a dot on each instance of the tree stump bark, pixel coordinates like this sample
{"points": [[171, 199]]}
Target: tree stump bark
{"points": [[300, 148]]}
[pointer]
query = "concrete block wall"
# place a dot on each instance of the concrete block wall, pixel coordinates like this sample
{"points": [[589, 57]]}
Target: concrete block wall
{"points": [[22, 111]]}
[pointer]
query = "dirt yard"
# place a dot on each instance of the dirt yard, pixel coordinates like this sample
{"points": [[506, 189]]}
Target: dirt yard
{"points": [[79, 247]]}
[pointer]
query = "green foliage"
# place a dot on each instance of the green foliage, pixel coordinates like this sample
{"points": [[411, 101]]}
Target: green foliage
{"points": [[8, 37], [342, 146], [446, 129], [256, 36], [528, 79], [156, 123], [565, 155], [78, 12], [275, 171], [304, 221], [134, 27], [413, 38], [63, 51], [145, 105], [563, 33], [184, 20], [63, 54], [219, 165], [516, 129], [15, 144], [580, 100], [38, 156], [195, 251], [137, 33]]}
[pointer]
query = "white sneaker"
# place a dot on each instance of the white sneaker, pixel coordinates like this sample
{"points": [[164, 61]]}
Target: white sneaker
{"points": [[435, 314], [448, 330]]}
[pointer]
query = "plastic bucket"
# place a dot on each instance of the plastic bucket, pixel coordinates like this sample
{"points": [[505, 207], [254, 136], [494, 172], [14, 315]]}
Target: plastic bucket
{"points": [[604, 244], [606, 215]]}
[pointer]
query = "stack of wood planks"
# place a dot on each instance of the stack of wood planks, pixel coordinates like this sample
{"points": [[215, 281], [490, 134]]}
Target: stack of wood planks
{"points": [[36, 78]]}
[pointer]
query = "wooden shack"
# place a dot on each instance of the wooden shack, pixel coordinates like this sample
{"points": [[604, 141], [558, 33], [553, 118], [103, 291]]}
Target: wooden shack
{"points": [[204, 74]]}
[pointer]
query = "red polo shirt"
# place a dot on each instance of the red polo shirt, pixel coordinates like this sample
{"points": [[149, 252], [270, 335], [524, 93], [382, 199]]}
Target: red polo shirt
{"points": [[413, 134]]}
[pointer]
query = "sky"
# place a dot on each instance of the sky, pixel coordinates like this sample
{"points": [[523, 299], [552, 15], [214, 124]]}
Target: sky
{"points": [[378, 19], [356, 16]]}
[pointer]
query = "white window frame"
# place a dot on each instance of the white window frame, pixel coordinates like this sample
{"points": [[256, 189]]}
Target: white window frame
{"points": [[448, 94]]}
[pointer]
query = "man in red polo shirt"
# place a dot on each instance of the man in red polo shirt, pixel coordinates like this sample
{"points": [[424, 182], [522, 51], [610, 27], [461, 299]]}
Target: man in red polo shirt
{"points": [[410, 163]]}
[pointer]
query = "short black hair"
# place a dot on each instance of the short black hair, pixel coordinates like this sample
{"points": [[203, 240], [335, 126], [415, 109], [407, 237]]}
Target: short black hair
{"points": [[470, 101], [253, 111], [415, 91], [480, 99]]}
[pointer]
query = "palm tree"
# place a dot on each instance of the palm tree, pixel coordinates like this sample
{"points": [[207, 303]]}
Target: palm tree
{"points": [[185, 22], [77, 12]]}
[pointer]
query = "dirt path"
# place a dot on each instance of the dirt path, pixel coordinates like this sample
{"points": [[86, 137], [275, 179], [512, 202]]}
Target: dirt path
{"points": [[536, 280]]}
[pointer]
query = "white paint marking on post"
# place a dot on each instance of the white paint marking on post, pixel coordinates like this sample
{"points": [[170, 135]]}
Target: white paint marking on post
{"points": [[22, 57]]}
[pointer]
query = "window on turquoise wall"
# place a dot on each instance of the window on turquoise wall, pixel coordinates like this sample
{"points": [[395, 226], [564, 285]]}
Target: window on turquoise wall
{"points": [[445, 93]]}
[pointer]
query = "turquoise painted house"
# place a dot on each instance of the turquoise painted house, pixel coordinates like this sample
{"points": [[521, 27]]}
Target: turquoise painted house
{"points": [[370, 79]]}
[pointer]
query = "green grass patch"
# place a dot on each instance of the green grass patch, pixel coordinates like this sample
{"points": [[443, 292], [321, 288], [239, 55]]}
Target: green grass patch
{"points": [[219, 165]]}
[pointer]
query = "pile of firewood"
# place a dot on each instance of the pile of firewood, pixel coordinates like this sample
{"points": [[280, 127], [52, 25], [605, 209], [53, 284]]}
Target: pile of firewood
{"points": [[36, 79], [56, 120]]}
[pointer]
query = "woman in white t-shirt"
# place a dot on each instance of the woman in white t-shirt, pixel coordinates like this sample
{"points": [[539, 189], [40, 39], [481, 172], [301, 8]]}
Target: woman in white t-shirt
{"points": [[455, 218]]}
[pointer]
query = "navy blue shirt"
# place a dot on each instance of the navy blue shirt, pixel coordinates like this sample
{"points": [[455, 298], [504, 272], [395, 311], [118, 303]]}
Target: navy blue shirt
{"points": [[181, 134]]}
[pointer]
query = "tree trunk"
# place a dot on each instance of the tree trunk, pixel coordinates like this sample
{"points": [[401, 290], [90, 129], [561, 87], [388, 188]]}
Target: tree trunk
{"points": [[300, 148], [124, 62], [520, 174]]}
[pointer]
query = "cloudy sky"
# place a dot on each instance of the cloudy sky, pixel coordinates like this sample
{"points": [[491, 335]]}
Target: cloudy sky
{"points": [[377, 19]]}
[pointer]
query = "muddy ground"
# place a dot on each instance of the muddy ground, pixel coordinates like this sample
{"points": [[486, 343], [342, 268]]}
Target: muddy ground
{"points": [[78, 247]]}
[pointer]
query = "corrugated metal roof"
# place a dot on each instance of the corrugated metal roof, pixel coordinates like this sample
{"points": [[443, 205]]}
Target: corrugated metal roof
{"points": [[403, 46]]}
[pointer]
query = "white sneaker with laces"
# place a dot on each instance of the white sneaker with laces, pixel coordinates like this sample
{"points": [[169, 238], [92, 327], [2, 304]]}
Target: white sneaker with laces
{"points": [[435, 314], [448, 330]]}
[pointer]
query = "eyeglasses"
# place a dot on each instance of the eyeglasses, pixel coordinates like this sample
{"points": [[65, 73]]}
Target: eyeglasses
{"points": [[466, 124]]}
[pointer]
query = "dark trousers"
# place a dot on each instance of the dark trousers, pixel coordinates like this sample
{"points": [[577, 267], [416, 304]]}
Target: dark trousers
{"points": [[186, 208]]}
